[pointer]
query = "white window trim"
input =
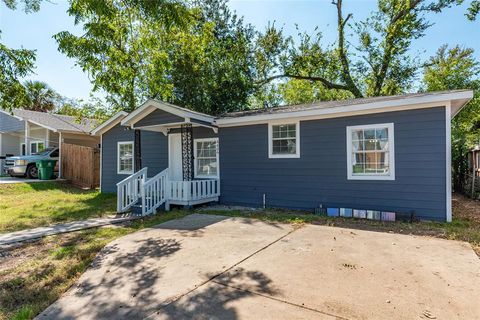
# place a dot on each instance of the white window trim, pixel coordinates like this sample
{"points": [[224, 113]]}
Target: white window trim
{"points": [[270, 139], [391, 153], [36, 142], [119, 143], [195, 166]]}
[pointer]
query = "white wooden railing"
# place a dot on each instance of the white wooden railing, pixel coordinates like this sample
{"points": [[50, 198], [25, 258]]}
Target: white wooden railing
{"points": [[154, 192], [129, 190], [159, 189], [193, 190]]}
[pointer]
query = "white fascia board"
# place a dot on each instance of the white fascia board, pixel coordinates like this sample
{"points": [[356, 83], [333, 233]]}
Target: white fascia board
{"points": [[151, 105], [110, 123], [428, 101]]}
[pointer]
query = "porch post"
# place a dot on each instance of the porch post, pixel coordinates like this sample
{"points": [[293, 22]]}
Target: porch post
{"points": [[137, 146], [187, 151], [27, 138]]}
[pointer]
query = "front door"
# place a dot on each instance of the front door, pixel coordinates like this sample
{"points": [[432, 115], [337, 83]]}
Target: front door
{"points": [[175, 156]]}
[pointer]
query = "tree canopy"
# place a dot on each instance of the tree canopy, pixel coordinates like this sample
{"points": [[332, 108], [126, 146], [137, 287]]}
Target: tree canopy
{"points": [[198, 57], [374, 61], [456, 68]]}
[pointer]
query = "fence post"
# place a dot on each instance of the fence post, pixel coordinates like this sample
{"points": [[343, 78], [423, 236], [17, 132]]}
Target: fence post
{"points": [[473, 181]]}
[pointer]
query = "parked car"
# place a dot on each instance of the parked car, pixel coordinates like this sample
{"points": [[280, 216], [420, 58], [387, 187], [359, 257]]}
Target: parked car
{"points": [[25, 166]]}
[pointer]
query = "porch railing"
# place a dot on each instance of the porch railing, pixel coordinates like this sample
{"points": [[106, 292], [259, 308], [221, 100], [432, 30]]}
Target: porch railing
{"points": [[129, 190], [193, 190], [153, 192]]}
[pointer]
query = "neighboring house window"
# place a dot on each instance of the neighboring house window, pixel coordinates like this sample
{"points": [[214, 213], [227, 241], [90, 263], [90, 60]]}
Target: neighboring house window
{"points": [[284, 140], [36, 146], [206, 158], [125, 157], [22, 149], [370, 152]]}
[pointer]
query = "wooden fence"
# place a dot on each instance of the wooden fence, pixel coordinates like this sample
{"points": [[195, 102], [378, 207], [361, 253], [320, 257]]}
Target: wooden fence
{"points": [[81, 165]]}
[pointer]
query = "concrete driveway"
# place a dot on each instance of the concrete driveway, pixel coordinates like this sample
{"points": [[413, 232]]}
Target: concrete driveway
{"points": [[212, 267]]}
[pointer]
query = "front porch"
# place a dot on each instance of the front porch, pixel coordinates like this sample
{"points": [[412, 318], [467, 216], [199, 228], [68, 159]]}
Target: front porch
{"points": [[192, 174], [145, 195]]}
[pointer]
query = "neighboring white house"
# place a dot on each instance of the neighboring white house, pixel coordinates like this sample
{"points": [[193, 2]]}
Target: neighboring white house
{"points": [[24, 132]]}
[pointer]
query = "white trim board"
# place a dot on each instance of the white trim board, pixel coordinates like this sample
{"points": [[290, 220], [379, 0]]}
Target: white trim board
{"points": [[408, 103], [109, 124], [101, 159], [151, 105], [448, 136]]}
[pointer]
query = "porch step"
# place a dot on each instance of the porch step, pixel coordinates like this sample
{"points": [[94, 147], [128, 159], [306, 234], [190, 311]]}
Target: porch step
{"points": [[136, 209]]}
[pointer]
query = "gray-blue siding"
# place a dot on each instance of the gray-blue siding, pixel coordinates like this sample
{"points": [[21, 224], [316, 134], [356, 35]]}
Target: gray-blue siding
{"points": [[159, 117], [319, 176], [109, 176]]}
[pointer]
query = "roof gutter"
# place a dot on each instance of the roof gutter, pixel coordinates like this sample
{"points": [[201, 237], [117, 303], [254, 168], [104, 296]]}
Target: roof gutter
{"points": [[428, 101]]}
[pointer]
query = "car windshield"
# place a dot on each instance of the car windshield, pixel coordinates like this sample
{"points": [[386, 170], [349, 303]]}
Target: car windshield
{"points": [[44, 152]]}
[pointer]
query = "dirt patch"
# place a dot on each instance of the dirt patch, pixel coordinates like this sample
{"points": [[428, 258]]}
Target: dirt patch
{"points": [[466, 208]]}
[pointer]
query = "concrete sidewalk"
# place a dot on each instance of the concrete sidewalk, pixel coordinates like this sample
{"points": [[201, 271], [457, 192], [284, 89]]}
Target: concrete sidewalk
{"points": [[15, 180], [32, 234]]}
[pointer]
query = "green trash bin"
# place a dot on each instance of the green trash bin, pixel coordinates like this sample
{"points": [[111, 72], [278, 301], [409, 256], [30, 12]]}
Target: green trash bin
{"points": [[45, 169]]}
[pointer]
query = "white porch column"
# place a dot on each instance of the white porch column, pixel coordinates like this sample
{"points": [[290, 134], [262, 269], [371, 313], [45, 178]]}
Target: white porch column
{"points": [[60, 140], [47, 138], [27, 138]]}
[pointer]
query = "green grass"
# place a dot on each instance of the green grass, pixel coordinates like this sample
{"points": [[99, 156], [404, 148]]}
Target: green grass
{"points": [[29, 205], [31, 286]]}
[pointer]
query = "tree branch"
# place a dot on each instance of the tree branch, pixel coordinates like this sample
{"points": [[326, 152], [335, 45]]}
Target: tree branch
{"points": [[387, 55], [346, 76], [325, 82]]}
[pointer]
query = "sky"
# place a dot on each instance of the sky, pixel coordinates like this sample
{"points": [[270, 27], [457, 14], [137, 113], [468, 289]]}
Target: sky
{"points": [[35, 31]]}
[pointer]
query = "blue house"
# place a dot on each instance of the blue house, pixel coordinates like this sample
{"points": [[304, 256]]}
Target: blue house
{"points": [[383, 153]]}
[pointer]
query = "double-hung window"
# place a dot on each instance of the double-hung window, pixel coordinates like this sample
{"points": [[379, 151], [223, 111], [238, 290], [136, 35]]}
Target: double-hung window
{"points": [[206, 158], [36, 146], [125, 157], [284, 140], [370, 152]]}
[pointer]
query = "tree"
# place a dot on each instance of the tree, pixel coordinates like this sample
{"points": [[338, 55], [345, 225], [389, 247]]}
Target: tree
{"points": [[39, 96], [94, 108], [450, 69], [473, 10], [198, 57], [15, 64], [378, 63]]}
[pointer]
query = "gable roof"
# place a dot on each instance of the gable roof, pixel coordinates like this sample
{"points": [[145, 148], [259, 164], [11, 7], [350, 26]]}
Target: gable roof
{"points": [[10, 123], [110, 123], [151, 105], [457, 98], [56, 122]]}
